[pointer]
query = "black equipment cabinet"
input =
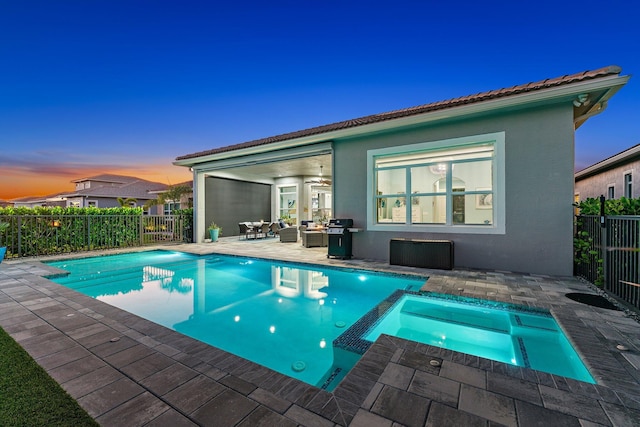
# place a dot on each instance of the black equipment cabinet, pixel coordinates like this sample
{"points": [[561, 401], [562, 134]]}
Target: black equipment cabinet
{"points": [[340, 238], [421, 253]]}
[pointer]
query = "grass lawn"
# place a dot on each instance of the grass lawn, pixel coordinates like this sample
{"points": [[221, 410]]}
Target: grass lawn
{"points": [[29, 396]]}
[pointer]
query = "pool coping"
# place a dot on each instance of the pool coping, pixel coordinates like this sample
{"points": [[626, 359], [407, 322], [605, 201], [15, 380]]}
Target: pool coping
{"points": [[149, 366]]}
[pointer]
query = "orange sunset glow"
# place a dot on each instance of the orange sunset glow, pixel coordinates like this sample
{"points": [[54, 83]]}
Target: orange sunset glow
{"points": [[15, 182]]}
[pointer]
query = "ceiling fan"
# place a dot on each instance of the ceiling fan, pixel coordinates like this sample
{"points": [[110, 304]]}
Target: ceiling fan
{"points": [[319, 181]]}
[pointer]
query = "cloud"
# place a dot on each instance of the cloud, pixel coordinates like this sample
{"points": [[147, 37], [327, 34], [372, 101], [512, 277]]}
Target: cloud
{"points": [[40, 173], [73, 167]]}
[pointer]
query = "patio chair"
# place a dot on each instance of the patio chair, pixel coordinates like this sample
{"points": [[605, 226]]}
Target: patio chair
{"points": [[275, 228], [264, 230], [246, 230], [289, 234]]}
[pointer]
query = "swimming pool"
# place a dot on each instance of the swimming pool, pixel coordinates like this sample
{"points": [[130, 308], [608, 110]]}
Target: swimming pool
{"points": [[310, 322], [280, 315]]}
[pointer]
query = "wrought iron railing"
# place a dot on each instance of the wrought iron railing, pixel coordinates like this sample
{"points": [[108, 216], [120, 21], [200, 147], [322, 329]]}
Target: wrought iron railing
{"points": [[34, 235], [613, 256]]}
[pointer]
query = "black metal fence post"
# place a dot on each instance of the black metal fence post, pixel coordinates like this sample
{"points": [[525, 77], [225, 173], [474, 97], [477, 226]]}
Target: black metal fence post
{"points": [[604, 245]]}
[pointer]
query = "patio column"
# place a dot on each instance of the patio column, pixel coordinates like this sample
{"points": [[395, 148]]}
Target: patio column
{"points": [[199, 226]]}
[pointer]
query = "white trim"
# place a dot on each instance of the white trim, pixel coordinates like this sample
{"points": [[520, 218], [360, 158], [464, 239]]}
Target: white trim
{"points": [[626, 185], [499, 178], [298, 197], [266, 153], [199, 226]]}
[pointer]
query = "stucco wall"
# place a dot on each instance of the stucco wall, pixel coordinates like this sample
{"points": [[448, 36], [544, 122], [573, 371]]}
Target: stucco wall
{"points": [[539, 157], [597, 185]]}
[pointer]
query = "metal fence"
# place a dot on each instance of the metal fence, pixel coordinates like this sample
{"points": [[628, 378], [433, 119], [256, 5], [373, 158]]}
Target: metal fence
{"points": [[33, 235], [613, 257]]}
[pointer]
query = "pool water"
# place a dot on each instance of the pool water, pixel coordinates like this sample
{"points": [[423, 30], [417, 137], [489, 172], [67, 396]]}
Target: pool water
{"points": [[280, 315], [517, 337], [313, 323]]}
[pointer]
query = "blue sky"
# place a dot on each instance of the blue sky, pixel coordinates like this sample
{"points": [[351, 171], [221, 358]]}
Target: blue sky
{"points": [[96, 86]]}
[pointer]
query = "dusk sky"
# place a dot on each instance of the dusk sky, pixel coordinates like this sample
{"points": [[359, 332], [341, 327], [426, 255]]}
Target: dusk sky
{"points": [[92, 86]]}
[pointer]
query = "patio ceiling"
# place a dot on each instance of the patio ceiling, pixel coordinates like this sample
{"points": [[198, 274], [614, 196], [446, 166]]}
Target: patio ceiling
{"points": [[306, 166]]}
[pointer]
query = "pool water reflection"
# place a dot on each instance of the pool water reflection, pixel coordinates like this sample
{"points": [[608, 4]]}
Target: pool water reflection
{"points": [[280, 315]]}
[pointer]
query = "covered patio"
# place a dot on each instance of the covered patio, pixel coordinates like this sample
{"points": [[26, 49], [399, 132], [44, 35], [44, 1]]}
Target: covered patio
{"points": [[292, 184]]}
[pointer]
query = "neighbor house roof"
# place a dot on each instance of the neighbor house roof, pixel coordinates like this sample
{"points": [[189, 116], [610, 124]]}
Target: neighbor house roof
{"points": [[622, 158], [35, 199], [136, 188], [114, 186], [109, 178], [421, 109]]}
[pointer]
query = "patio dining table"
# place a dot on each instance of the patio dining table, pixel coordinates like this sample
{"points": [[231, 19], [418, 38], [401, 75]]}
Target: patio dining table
{"points": [[259, 229]]}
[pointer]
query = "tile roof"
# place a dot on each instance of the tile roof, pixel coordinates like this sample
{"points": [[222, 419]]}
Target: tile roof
{"points": [[34, 199], [106, 177], [624, 157], [420, 109], [125, 187], [136, 188]]}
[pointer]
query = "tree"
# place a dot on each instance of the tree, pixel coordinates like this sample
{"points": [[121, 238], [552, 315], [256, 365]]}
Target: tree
{"points": [[173, 194], [126, 202]]}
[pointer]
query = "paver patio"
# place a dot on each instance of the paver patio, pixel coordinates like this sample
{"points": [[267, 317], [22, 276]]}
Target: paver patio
{"points": [[125, 370]]}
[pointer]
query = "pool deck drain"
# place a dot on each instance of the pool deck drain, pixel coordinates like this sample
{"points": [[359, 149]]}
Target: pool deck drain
{"points": [[125, 370]]}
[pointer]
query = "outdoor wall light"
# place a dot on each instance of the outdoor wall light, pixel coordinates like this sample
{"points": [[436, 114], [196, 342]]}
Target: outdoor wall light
{"points": [[582, 99]]}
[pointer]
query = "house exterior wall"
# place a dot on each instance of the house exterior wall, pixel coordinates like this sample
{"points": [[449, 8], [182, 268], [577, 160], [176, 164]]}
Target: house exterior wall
{"points": [[596, 185], [539, 157]]}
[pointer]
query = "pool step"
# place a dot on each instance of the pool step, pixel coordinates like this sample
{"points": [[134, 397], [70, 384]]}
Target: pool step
{"points": [[471, 317], [474, 317], [83, 281]]}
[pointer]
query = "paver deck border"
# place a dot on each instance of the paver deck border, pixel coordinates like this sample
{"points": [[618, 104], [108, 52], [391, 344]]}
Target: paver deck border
{"points": [[125, 369]]}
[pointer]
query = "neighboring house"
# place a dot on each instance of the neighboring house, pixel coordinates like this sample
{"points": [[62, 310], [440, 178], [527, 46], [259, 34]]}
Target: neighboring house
{"points": [[5, 203], [171, 205], [492, 172], [101, 191], [615, 177], [36, 201]]}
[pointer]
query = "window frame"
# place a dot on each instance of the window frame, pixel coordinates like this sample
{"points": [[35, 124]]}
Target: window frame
{"points": [[295, 197], [170, 206], [498, 178], [628, 184]]}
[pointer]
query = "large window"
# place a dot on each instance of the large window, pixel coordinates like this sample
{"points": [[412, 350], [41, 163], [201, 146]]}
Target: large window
{"points": [[628, 189], [288, 203], [320, 203], [446, 185]]}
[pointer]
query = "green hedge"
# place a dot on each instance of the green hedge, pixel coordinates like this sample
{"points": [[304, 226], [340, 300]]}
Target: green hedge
{"points": [[621, 206], [54, 230]]}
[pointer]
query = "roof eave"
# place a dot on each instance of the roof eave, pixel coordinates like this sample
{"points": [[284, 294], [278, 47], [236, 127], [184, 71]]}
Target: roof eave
{"points": [[609, 163], [535, 97]]}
